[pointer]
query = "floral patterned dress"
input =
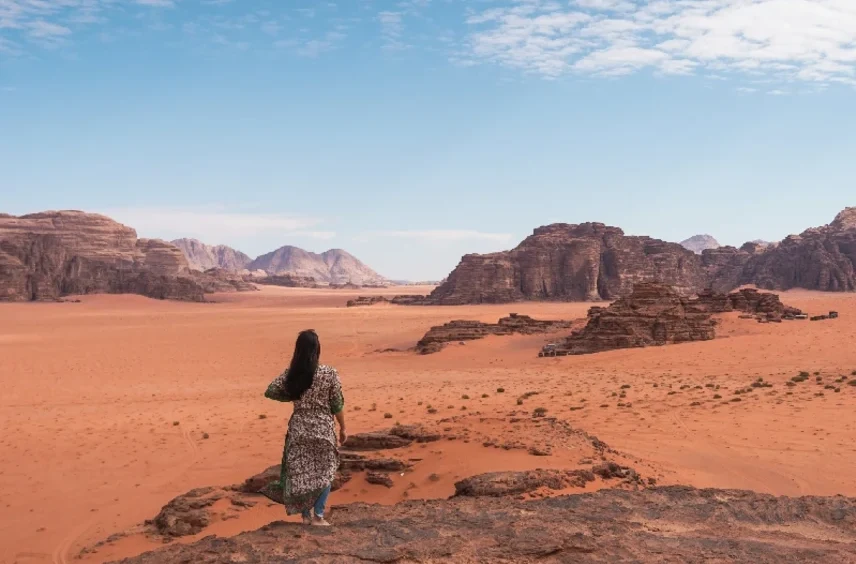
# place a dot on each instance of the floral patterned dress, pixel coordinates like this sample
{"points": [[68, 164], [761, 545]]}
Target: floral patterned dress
{"points": [[311, 454]]}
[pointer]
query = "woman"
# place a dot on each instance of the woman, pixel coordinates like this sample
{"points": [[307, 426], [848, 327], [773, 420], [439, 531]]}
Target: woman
{"points": [[311, 455]]}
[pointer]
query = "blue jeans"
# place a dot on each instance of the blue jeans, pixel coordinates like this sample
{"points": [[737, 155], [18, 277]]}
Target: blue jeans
{"points": [[319, 505]]}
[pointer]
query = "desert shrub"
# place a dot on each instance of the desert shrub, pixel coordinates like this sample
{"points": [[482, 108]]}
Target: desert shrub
{"points": [[539, 412], [502, 390], [387, 415]]}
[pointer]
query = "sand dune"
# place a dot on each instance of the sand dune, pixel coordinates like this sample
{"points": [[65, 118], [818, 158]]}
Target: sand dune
{"points": [[106, 404]]}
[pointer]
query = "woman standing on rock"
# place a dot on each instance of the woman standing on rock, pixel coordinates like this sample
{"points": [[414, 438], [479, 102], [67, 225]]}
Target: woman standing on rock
{"points": [[311, 455]]}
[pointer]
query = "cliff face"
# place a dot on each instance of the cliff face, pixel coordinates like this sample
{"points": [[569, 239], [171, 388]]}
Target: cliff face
{"points": [[590, 261], [205, 257], [47, 255], [822, 258]]}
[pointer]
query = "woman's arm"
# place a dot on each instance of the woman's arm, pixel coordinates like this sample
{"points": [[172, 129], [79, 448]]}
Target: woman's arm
{"points": [[343, 436], [337, 406], [276, 389]]}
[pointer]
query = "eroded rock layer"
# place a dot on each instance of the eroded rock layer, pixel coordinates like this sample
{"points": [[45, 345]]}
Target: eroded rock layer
{"points": [[652, 315], [463, 330], [593, 261], [47, 255], [666, 524]]}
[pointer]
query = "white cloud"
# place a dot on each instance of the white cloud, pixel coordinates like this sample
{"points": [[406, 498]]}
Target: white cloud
{"points": [[215, 223], [444, 235], [806, 40]]}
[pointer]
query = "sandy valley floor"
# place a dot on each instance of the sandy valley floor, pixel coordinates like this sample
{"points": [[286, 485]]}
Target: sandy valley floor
{"points": [[105, 404]]}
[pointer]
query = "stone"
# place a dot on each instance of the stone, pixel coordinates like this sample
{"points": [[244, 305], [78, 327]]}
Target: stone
{"points": [[375, 441], [502, 484], [652, 315], [461, 330], [379, 478], [186, 514], [416, 433], [45, 256], [681, 524]]}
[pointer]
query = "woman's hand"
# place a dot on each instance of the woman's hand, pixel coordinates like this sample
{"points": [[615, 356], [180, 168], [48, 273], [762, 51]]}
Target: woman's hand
{"points": [[343, 436]]}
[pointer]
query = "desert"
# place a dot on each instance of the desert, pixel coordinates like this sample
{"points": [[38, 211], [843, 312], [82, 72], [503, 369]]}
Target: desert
{"points": [[121, 403], [427, 282]]}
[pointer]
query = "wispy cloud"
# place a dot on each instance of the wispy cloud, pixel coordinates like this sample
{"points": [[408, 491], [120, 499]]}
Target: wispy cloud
{"points": [[807, 40], [215, 223], [443, 235]]}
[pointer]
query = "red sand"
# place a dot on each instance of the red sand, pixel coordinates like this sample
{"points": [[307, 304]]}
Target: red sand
{"points": [[91, 392]]}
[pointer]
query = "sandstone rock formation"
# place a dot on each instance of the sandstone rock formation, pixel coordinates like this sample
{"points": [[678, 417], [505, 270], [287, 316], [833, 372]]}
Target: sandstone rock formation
{"points": [[699, 243], [747, 300], [332, 267], [590, 261], [286, 280], [822, 258], [44, 256], [654, 314], [204, 257], [666, 524], [462, 330], [361, 301], [222, 280]]}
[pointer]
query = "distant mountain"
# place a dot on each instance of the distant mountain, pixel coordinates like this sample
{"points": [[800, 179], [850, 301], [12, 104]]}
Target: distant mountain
{"points": [[699, 243], [203, 257], [333, 267], [762, 243]]}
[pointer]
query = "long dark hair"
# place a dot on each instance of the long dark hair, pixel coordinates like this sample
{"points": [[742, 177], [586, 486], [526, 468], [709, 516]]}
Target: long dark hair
{"points": [[304, 363]]}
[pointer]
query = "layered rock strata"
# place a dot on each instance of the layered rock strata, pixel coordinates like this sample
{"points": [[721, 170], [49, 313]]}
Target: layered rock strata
{"points": [[461, 330], [47, 255]]}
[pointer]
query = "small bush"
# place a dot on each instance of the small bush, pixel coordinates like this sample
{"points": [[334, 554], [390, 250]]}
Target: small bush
{"points": [[485, 396], [175, 423], [204, 435], [539, 412], [434, 478], [502, 390], [625, 386], [262, 416], [851, 383], [717, 396], [387, 415], [465, 396], [432, 410]]}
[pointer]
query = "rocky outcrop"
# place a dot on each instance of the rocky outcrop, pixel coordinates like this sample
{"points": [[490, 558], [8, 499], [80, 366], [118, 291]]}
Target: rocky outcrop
{"points": [[592, 261], [222, 280], [362, 301], [562, 262], [699, 243], [204, 257], [652, 315], [747, 300], [331, 267], [286, 280], [665, 524], [461, 330], [47, 255], [822, 258]]}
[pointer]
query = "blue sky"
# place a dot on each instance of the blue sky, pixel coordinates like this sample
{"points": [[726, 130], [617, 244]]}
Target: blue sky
{"points": [[412, 132]]}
